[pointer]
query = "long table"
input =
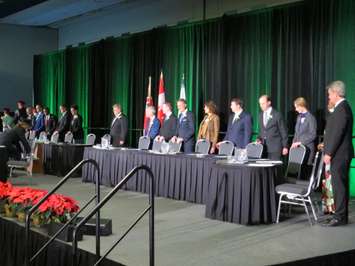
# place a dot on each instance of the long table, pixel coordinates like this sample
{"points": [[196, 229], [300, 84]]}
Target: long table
{"points": [[196, 179], [59, 159]]}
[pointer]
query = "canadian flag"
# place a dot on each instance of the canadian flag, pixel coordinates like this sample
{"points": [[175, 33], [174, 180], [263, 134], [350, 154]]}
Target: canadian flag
{"points": [[161, 98], [148, 102]]}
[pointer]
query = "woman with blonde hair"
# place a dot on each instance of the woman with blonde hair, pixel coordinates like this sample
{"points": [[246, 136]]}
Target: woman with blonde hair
{"points": [[209, 127]]}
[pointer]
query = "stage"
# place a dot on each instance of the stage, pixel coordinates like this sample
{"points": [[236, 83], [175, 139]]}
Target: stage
{"points": [[185, 237]]}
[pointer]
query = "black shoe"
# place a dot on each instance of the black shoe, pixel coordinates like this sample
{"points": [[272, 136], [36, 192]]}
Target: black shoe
{"points": [[335, 222]]}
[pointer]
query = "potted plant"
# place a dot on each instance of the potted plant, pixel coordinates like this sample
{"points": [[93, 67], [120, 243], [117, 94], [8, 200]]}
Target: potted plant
{"points": [[5, 188]]}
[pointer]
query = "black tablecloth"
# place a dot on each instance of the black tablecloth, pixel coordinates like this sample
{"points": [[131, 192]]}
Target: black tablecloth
{"points": [[242, 194], [3, 164], [59, 159], [180, 177], [238, 194]]}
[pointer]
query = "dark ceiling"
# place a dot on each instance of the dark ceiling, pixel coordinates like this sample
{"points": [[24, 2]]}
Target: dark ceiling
{"points": [[8, 7]]}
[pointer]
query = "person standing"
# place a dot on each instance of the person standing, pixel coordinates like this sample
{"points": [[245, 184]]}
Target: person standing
{"points": [[20, 113], [339, 150], [39, 120], [50, 122], [76, 125], [7, 120], [305, 132], [272, 130], [169, 126], [154, 124], [185, 128], [64, 122], [240, 123], [209, 127], [119, 127]]}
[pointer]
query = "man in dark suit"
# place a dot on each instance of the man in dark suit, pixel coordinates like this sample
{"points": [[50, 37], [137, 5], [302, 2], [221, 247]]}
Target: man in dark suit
{"points": [[11, 139], [272, 130], [64, 122], [169, 125], [76, 125], [305, 133], [119, 127], [339, 151], [239, 128], [50, 122], [20, 113], [154, 124], [185, 128]]}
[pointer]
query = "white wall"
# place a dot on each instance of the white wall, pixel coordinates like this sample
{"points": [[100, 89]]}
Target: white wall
{"points": [[18, 45], [140, 15]]}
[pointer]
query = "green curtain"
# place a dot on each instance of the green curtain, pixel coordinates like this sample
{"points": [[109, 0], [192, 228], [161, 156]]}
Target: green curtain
{"points": [[287, 51], [77, 81], [49, 73]]}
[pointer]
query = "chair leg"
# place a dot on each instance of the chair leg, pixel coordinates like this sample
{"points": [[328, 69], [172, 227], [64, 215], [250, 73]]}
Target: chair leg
{"points": [[278, 209], [306, 209], [314, 213], [11, 170]]}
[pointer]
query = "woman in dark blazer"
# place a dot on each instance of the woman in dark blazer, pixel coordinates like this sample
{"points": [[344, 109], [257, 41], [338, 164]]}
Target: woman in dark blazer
{"points": [[305, 129], [76, 125]]}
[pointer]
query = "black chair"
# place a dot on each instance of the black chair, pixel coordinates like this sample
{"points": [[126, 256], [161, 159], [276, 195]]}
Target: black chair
{"points": [[254, 150], [299, 194], [90, 139], [226, 148], [295, 161], [174, 146], [143, 143], [202, 146]]}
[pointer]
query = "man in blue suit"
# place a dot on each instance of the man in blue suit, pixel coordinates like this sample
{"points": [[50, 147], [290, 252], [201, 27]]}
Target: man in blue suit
{"points": [[154, 124], [239, 125], [185, 128], [39, 125]]}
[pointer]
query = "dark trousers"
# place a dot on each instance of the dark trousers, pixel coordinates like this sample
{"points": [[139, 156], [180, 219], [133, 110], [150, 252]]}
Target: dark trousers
{"points": [[273, 155], [188, 146], [340, 181]]}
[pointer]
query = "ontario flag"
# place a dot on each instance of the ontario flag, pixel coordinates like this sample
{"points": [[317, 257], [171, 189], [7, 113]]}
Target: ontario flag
{"points": [[161, 98], [148, 102]]}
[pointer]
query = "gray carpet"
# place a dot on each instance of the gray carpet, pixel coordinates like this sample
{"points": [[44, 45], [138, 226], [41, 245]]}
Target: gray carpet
{"points": [[185, 237]]}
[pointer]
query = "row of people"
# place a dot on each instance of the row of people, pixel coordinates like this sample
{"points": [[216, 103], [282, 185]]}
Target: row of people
{"points": [[41, 120], [272, 130]]}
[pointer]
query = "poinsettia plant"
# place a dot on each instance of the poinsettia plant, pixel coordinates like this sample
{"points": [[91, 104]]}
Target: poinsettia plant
{"points": [[5, 188], [57, 207]]}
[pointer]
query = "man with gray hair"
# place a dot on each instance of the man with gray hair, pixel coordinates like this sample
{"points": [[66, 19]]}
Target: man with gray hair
{"points": [[154, 125], [338, 150]]}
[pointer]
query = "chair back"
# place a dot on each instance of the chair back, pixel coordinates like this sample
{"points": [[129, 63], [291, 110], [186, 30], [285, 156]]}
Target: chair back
{"points": [[156, 145], [90, 139], [55, 137], [174, 146], [143, 143], [316, 173], [106, 140], [226, 148], [295, 161], [202, 146], [68, 138], [32, 135], [43, 136], [254, 150]]}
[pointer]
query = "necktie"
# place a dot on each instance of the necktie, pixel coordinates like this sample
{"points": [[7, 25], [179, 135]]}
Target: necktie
{"points": [[265, 118], [180, 117]]}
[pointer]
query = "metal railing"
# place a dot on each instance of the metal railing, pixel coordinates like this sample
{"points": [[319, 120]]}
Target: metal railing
{"points": [[28, 259], [97, 208]]}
